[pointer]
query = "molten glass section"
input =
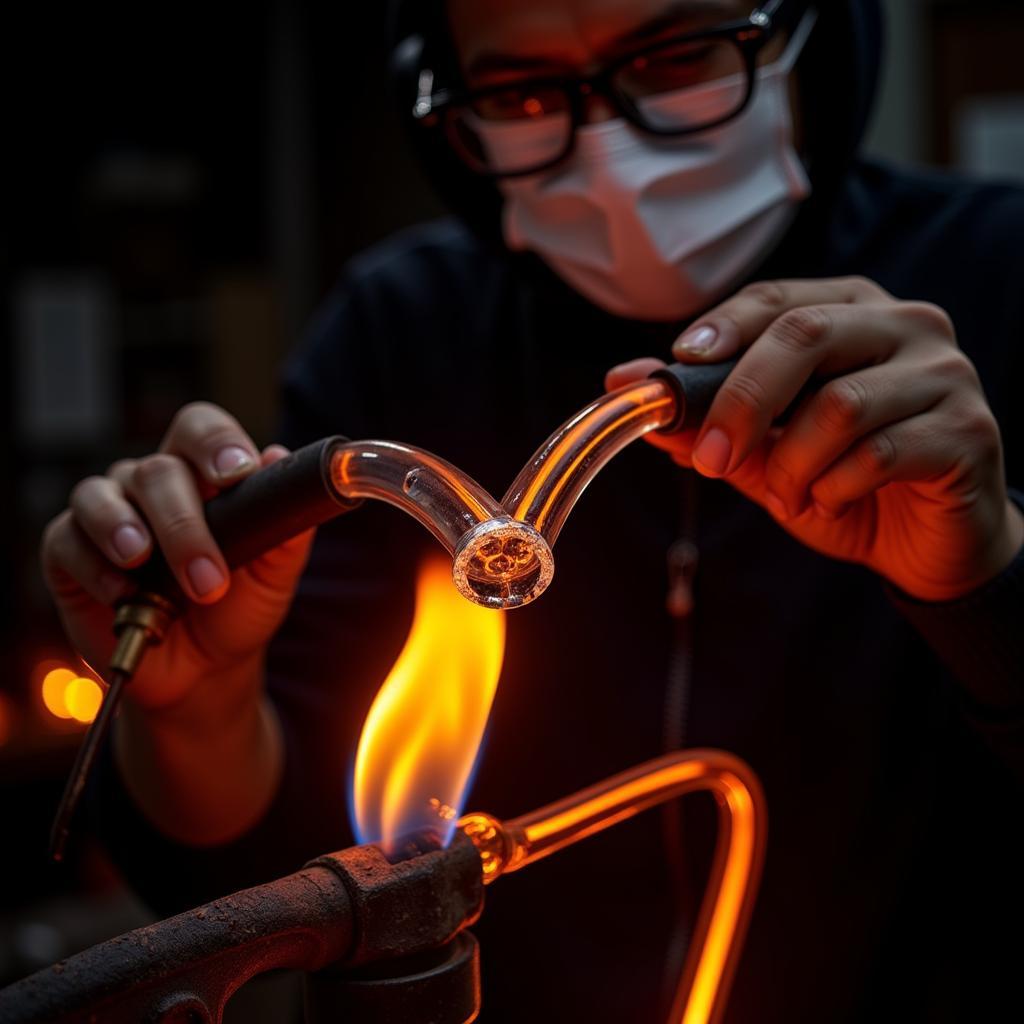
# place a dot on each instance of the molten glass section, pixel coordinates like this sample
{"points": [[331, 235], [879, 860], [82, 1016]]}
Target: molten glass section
{"points": [[502, 552], [420, 740], [732, 887]]}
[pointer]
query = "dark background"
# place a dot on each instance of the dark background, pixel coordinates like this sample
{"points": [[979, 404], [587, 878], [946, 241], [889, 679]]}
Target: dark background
{"points": [[181, 185]]}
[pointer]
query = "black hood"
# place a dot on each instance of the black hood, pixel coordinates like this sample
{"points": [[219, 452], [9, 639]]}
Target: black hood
{"points": [[838, 72]]}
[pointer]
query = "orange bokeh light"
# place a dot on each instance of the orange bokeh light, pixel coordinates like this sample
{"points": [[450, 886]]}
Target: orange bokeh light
{"points": [[421, 736], [83, 698], [68, 695], [54, 689]]}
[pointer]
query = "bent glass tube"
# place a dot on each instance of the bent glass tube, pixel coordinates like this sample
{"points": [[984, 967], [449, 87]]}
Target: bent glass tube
{"points": [[551, 482], [735, 874], [502, 552], [498, 562]]}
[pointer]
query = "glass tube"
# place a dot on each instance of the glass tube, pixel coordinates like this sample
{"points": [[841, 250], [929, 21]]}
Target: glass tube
{"points": [[498, 562], [551, 482], [502, 552], [732, 886]]}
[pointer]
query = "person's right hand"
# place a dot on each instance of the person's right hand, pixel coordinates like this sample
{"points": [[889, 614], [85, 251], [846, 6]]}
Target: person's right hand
{"points": [[112, 524]]}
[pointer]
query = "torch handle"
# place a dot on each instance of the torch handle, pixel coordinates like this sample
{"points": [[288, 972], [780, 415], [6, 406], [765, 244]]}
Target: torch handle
{"points": [[695, 385], [263, 510]]}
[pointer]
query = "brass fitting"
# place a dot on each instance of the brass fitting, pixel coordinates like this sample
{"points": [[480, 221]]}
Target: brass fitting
{"points": [[140, 622]]}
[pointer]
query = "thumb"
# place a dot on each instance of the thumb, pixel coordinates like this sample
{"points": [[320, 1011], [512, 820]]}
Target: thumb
{"points": [[629, 373], [678, 445]]}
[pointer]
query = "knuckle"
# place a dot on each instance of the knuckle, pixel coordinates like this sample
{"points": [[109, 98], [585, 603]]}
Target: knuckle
{"points": [[877, 454], [859, 287], [929, 317], [766, 293], [93, 501], [189, 414], [979, 426], [200, 420], [103, 511], [953, 366], [827, 489], [153, 469], [744, 394], [179, 525], [780, 472], [121, 468], [802, 329], [200, 429], [841, 405], [87, 491]]}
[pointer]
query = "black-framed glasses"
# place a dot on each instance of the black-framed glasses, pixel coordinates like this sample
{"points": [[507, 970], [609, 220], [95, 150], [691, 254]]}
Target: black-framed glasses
{"points": [[676, 86]]}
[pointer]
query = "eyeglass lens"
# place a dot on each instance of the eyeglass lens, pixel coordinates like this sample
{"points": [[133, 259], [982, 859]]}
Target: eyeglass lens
{"points": [[681, 87]]}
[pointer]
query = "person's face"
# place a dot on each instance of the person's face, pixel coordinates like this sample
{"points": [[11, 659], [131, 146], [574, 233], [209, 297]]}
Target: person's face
{"points": [[502, 41]]}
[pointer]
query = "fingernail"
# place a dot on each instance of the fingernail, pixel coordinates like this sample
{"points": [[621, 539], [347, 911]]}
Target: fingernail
{"points": [[712, 455], [204, 576], [129, 542], [698, 341], [776, 506], [230, 461]]}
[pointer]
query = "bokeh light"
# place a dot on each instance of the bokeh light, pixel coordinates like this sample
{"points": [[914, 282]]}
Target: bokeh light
{"points": [[54, 689], [67, 694], [83, 697]]}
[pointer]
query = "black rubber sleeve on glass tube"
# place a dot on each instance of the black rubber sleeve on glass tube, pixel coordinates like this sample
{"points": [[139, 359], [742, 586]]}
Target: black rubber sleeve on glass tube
{"points": [[262, 511], [694, 387]]}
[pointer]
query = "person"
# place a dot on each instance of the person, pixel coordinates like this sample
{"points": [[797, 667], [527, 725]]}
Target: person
{"points": [[632, 181]]}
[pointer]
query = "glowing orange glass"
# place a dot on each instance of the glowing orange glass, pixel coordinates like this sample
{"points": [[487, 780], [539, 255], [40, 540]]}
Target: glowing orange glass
{"points": [[732, 886]]}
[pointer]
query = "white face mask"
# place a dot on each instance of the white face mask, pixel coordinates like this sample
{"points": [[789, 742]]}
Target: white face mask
{"points": [[660, 229]]}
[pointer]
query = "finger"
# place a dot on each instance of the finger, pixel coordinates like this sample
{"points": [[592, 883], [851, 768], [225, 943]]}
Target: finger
{"points": [[273, 453], [110, 521], [771, 373], [837, 417], [920, 448], [72, 564], [679, 445], [212, 441], [265, 585], [280, 566], [165, 490], [628, 373], [737, 322]]}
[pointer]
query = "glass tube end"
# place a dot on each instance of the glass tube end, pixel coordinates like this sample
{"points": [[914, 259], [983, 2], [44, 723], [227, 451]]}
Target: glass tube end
{"points": [[502, 563]]}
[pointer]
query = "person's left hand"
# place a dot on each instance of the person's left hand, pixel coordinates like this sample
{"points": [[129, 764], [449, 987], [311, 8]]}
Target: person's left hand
{"points": [[895, 462]]}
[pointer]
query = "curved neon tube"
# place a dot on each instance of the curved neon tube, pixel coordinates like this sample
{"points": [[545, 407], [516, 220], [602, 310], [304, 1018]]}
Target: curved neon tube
{"points": [[735, 873]]}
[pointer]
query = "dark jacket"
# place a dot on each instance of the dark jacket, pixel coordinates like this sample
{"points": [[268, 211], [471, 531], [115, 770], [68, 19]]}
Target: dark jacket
{"points": [[888, 734]]}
